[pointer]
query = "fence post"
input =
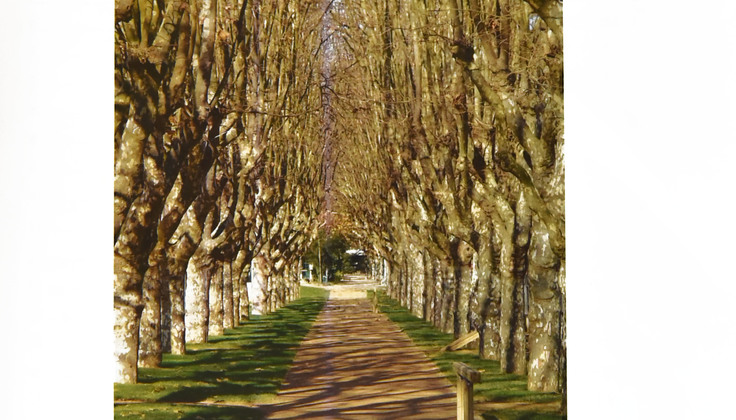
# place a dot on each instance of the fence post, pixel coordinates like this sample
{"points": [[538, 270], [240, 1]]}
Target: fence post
{"points": [[466, 377]]}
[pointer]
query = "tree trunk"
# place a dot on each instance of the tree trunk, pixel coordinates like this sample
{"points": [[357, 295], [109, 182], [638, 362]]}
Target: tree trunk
{"points": [[297, 282], [544, 313], [274, 288], [131, 250], [448, 299], [271, 294], [215, 325], [228, 295], [244, 298], [488, 301], [165, 317], [439, 281], [197, 318], [428, 289], [518, 332], [150, 349], [462, 256], [563, 338], [235, 271], [474, 314], [417, 282], [404, 282], [392, 283], [507, 283], [522, 233], [258, 286], [127, 321], [385, 273], [177, 290], [283, 287]]}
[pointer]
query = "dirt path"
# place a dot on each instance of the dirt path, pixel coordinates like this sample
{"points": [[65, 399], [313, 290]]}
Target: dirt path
{"points": [[354, 364]]}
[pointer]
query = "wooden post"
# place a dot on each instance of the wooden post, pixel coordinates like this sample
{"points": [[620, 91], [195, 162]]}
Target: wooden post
{"points": [[466, 377]]}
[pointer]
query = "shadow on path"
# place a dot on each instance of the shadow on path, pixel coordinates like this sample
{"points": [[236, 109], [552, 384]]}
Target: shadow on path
{"points": [[354, 363]]}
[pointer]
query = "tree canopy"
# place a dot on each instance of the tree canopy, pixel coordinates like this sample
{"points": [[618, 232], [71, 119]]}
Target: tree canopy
{"points": [[427, 132]]}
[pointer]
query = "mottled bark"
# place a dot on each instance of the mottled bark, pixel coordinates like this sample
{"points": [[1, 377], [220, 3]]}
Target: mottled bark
{"points": [[462, 257], [177, 289], [563, 339], [145, 168], [521, 235], [439, 280], [428, 289], [417, 282], [274, 283], [187, 260], [127, 321], [199, 271], [123, 10], [166, 316], [134, 241], [489, 301], [448, 299], [205, 56], [244, 296], [508, 307], [215, 324], [473, 314], [130, 263], [296, 285], [228, 296], [404, 283], [150, 346], [544, 313], [165, 104], [258, 286], [390, 276], [551, 12], [239, 273], [128, 169]]}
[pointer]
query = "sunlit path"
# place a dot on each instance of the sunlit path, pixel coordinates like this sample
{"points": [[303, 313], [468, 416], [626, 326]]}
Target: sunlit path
{"points": [[357, 364]]}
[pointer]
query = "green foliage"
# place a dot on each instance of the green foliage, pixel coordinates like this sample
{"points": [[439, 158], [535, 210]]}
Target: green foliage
{"points": [[245, 366], [334, 258], [495, 387], [356, 263]]}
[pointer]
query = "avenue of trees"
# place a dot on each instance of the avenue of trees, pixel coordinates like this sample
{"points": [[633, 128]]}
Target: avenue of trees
{"points": [[217, 166], [455, 177], [427, 132]]}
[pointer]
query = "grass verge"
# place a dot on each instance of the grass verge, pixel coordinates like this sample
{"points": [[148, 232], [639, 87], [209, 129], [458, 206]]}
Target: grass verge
{"points": [[498, 396], [226, 377]]}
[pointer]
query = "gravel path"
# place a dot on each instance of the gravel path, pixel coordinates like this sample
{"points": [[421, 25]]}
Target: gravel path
{"points": [[355, 364]]}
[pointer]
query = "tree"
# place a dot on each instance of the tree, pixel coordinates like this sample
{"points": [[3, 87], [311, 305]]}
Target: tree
{"points": [[186, 157]]}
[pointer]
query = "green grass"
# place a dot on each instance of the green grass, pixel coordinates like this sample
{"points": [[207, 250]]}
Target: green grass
{"points": [[494, 386], [241, 368]]}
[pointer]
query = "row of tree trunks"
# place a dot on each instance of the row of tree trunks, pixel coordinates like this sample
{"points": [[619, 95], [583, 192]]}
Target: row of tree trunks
{"points": [[201, 117], [464, 122], [502, 311], [212, 303]]}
